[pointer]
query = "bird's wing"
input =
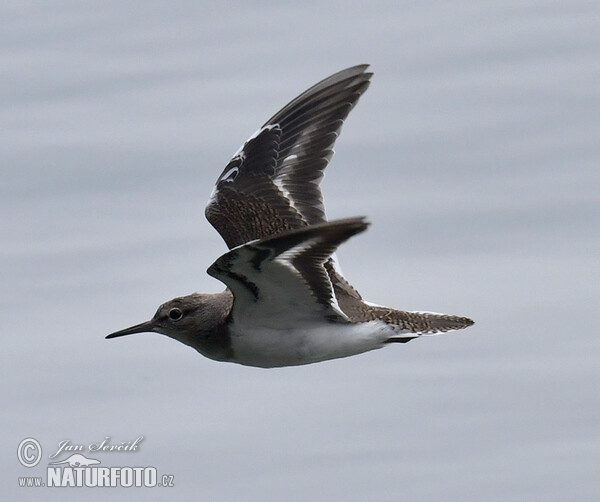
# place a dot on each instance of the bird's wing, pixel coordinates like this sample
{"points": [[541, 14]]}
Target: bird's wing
{"points": [[283, 279], [271, 185]]}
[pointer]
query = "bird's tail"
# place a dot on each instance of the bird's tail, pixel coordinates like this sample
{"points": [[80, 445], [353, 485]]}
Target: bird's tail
{"points": [[416, 324], [407, 325]]}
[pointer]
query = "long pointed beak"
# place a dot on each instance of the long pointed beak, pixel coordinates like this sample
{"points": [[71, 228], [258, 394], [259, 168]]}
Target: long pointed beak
{"points": [[144, 327]]}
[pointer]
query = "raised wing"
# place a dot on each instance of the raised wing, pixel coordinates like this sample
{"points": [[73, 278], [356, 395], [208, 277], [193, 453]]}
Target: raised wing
{"points": [[271, 185], [284, 277]]}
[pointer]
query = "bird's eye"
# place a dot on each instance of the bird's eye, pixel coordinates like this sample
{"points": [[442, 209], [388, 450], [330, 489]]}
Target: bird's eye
{"points": [[175, 314]]}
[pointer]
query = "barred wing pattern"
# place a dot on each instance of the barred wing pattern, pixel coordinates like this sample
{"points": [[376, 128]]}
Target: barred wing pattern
{"points": [[271, 184]]}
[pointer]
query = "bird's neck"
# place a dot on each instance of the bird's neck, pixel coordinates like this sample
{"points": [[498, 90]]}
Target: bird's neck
{"points": [[215, 343]]}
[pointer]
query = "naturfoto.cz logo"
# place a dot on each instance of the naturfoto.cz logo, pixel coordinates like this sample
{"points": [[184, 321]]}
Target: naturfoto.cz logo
{"points": [[79, 470]]}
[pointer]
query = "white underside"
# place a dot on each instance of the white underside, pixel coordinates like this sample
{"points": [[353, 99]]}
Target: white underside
{"points": [[316, 341]]}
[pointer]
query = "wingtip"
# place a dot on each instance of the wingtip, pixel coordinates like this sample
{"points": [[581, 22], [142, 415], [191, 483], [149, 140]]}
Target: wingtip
{"points": [[366, 74], [361, 68], [356, 223], [353, 75]]}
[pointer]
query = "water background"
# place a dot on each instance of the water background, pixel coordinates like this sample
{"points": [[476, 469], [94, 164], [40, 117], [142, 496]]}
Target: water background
{"points": [[475, 154]]}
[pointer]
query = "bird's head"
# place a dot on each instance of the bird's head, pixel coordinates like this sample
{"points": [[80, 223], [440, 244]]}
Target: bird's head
{"points": [[184, 319]]}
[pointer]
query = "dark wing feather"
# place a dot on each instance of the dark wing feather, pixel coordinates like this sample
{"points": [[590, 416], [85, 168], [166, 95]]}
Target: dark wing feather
{"points": [[271, 185], [284, 277]]}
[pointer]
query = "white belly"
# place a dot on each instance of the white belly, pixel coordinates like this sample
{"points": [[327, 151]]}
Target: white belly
{"points": [[269, 347]]}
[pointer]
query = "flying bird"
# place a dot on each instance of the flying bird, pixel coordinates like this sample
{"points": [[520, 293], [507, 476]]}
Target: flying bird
{"points": [[286, 302]]}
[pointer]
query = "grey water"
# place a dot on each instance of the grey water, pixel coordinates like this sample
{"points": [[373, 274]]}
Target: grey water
{"points": [[475, 154]]}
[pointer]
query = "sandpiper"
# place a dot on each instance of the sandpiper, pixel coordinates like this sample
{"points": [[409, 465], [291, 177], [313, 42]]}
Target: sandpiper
{"points": [[286, 302]]}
